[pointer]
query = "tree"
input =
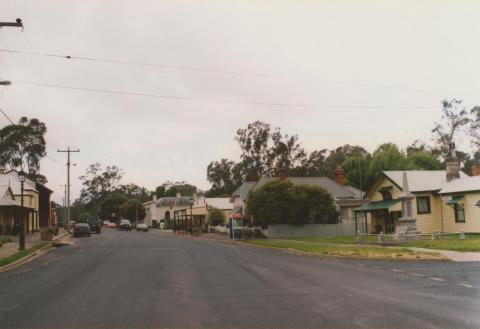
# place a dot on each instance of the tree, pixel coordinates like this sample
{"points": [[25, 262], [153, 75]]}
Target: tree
{"points": [[454, 119], [281, 202], [132, 209], [22, 146], [221, 174], [98, 182], [170, 189], [110, 206], [475, 127], [216, 216], [337, 157], [386, 157], [133, 191], [422, 160], [356, 171], [265, 149]]}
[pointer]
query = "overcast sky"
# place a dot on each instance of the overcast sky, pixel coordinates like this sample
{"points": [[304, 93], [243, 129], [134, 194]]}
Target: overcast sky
{"points": [[376, 71]]}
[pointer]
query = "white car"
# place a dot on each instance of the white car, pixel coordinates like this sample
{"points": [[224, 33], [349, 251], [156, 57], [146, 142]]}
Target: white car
{"points": [[141, 227]]}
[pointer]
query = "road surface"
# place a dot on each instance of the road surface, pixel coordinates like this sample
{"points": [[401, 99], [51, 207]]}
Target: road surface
{"points": [[145, 280]]}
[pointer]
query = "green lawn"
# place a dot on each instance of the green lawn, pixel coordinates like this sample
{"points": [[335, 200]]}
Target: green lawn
{"points": [[343, 247], [23, 253], [448, 242], [451, 242]]}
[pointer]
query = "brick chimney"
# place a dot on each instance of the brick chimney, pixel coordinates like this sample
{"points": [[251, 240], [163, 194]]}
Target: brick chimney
{"points": [[476, 170], [282, 175], [452, 165], [340, 176]]}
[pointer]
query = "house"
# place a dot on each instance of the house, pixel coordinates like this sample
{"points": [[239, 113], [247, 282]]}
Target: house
{"points": [[200, 208], [162, 209], [10, 209], [346, 198], [445, 201]]}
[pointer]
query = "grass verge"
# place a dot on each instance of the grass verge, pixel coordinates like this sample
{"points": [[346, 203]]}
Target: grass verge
{"points": [[329, 248], [22, 253], [471, 243]]}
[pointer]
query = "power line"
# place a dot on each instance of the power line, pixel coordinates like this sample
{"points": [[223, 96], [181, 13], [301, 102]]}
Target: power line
{"points": [[6, 116], [212, 100], [212, 70]]}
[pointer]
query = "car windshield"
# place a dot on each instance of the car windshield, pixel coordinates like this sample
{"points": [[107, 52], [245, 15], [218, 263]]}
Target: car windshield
{"points": [[81, 225]]}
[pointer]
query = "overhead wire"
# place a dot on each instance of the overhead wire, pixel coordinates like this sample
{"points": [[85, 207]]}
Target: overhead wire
{"points": [[213, 100], [212, 70]]}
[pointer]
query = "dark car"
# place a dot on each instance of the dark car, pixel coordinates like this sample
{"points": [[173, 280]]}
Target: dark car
{"points": [[81, 229], [125, 225], [95, 225]]}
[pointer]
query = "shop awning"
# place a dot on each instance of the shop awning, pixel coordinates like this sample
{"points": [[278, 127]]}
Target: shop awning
{"points": [[378, 205], [455, 199]]}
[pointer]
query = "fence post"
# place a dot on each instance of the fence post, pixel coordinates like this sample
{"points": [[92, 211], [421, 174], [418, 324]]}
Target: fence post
{"points": [[462, 235], [359, 237], [379, 237]]}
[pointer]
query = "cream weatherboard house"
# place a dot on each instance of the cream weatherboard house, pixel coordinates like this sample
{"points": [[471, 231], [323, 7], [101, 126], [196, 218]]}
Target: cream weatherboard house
{"points": [[444, 202]]}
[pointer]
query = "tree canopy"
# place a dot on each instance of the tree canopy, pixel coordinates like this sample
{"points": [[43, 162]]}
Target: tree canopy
{"points": [[281, 202], [22, 146]]}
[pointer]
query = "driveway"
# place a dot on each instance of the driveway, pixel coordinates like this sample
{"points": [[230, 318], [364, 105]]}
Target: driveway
{"points": [[143, 280]]}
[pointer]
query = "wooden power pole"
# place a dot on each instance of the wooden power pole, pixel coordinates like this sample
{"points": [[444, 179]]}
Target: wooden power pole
{"points": [[68, 151]]}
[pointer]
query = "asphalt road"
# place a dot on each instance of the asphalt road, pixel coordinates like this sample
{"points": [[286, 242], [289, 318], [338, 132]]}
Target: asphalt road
{"points": [[144, 280]]}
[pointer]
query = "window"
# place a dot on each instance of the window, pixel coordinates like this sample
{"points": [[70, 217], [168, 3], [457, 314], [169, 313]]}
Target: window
{"points": [[423, 205], [459, 213]]}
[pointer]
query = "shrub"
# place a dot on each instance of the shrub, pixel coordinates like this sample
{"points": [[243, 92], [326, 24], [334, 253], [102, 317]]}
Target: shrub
{"points": [[216, 216], [155, 224], [281, 202]]}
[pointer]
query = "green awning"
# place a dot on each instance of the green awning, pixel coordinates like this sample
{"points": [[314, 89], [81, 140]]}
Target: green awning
{"points": [[378, 205], [455, 199]]}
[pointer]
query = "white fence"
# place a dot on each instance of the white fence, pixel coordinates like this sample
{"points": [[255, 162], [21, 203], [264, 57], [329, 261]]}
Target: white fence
{"points": [[310, 230]]}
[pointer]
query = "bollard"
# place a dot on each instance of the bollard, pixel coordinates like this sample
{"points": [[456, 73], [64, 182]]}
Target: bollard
{"points": [[462, 235]]}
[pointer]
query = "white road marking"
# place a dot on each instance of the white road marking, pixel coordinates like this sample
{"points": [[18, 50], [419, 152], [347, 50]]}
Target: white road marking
{"points": [[437, 279], [417, 274], [397, 270], [464, 285]]}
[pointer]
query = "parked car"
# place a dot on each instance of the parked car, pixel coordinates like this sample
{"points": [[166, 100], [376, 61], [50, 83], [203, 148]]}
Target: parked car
{"points": [[95, 225], [141, 227], [125, 225], [111, 225], [81, 229]]}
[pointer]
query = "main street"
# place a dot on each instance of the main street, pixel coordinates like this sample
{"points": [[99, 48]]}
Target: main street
{"points": [[146, 280]]}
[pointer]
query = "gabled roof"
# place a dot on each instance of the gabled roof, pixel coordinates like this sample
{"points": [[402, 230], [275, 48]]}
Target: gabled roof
{"points": [[220, 203], [421, 180], [336, 190], [11, 179], [466, 184], [242, 190]]}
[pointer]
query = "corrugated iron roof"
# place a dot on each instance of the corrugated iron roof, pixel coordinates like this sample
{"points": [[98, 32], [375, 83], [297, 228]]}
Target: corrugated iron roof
{"points": [[421, 180]]}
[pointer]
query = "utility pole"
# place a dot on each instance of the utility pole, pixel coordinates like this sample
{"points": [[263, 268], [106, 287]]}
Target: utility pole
{"points": [[68, 151], [64, 212], [18, 23]]}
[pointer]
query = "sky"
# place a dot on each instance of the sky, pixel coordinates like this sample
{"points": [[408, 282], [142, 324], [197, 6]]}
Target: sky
{"points": [[332, 72]]}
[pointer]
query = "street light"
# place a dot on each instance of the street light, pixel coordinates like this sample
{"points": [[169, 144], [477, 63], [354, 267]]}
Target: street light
{"points": [[21, 240]]}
